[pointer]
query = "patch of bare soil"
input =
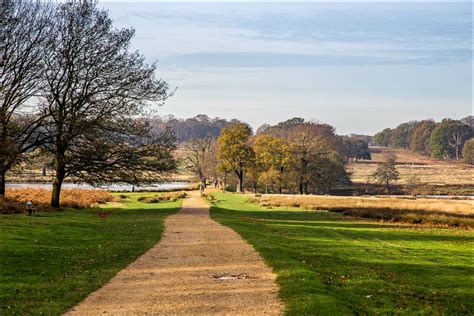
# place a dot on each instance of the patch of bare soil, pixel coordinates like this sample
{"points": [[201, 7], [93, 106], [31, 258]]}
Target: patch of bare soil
{"points": [[198, 267]]}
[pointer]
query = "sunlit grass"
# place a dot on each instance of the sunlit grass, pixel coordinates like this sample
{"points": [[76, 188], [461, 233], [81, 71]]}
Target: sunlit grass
{"points": [[327, 264], [50, 262]]}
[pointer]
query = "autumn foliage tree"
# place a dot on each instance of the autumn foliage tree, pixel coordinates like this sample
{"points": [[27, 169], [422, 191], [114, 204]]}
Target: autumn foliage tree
{"points": [[442, 140], [235, 151], [272, 157], [468, 152], [421, 137], [386, 172], [447, 139], [383, 138]]}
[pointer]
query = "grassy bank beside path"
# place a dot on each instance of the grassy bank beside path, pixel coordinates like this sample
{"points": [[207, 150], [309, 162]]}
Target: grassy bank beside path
{"points": [[50, 262], [330, 264]]}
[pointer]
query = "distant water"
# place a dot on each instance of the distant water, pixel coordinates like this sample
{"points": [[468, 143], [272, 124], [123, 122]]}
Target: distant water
{"points": [[112, 187]]}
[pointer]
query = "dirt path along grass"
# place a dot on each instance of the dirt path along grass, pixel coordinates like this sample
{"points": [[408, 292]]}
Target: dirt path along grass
{"points": [[198, 267]]}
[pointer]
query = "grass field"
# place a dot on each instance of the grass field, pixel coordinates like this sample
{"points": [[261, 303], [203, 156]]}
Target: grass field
{"points": [[328, 264], [427, 170], [51, 261], [394, 209]]}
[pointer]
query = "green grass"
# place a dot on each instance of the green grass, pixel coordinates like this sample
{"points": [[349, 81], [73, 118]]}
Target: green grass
{"points": [[50, 262], [327, 264]]}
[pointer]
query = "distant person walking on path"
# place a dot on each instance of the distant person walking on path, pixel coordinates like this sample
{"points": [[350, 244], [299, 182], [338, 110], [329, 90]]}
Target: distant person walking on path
{"points": [[201, 187]]}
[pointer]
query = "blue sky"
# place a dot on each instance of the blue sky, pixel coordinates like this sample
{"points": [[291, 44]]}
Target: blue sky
{"points": [[357, 66]]}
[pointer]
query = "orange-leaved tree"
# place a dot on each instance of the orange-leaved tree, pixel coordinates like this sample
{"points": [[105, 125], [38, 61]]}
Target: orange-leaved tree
{"points": [[235, 152]]}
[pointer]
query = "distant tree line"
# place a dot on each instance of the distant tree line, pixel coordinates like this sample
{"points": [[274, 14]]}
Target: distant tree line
{"points": [[71, 88], [448, 139], [198, 127], [294, 156]]}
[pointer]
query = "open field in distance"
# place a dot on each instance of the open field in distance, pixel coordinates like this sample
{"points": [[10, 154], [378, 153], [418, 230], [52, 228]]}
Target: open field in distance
{"points": [[396, 209], [409, 164]]}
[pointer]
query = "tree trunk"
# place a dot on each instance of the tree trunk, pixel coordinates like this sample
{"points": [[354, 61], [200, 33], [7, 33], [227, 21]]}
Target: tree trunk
{"points": [[58, 182], [240, 177], [2, 182], [3, 154], [224, 184], [387, 188], [301, 186], [457, 152], [280, 187]]}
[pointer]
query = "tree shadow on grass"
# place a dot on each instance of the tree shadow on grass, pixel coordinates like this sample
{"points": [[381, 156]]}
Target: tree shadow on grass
{"points": [[71, 254], [357, 267]]}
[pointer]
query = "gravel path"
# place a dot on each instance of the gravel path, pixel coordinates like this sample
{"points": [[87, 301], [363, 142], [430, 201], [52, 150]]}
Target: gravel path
{"points": [[198, 267]]}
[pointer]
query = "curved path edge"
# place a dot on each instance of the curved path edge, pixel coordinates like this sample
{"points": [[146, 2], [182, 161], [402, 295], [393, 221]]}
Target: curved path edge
{"points": [[199, 267]]}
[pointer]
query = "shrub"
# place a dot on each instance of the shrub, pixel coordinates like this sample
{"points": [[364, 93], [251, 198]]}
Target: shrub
{"points": [[231, 188], [163, 197], [210, 198]]}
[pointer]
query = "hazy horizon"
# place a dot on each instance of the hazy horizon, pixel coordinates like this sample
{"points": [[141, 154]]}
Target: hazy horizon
{"points": [[360, 67]]}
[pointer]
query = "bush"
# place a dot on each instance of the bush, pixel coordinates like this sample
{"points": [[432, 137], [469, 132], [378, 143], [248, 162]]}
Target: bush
{"points": [[210, 198], [163, 197], [231, 188]]}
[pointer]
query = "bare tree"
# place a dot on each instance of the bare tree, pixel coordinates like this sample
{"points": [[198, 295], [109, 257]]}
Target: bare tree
{"points": [[457, 140], [129, 152], [197, 151], [94, 85], [24, 33]]}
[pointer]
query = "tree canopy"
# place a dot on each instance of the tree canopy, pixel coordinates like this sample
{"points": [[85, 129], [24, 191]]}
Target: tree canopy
{"points": [[442, 140], [235, 152], [71, 85], [468, 152], [386, 172]]}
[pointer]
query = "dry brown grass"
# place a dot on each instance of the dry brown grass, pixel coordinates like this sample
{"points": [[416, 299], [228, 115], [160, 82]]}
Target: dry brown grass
{"points": [[10, 206], [409, 164], [75, 198], [417, 211], [439, 174], [403, 156], [163, 197]]}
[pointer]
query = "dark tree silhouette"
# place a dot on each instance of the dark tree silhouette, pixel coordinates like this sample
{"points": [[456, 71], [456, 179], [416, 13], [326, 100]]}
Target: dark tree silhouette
{"points": [[24, 34], [94, 86]]}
